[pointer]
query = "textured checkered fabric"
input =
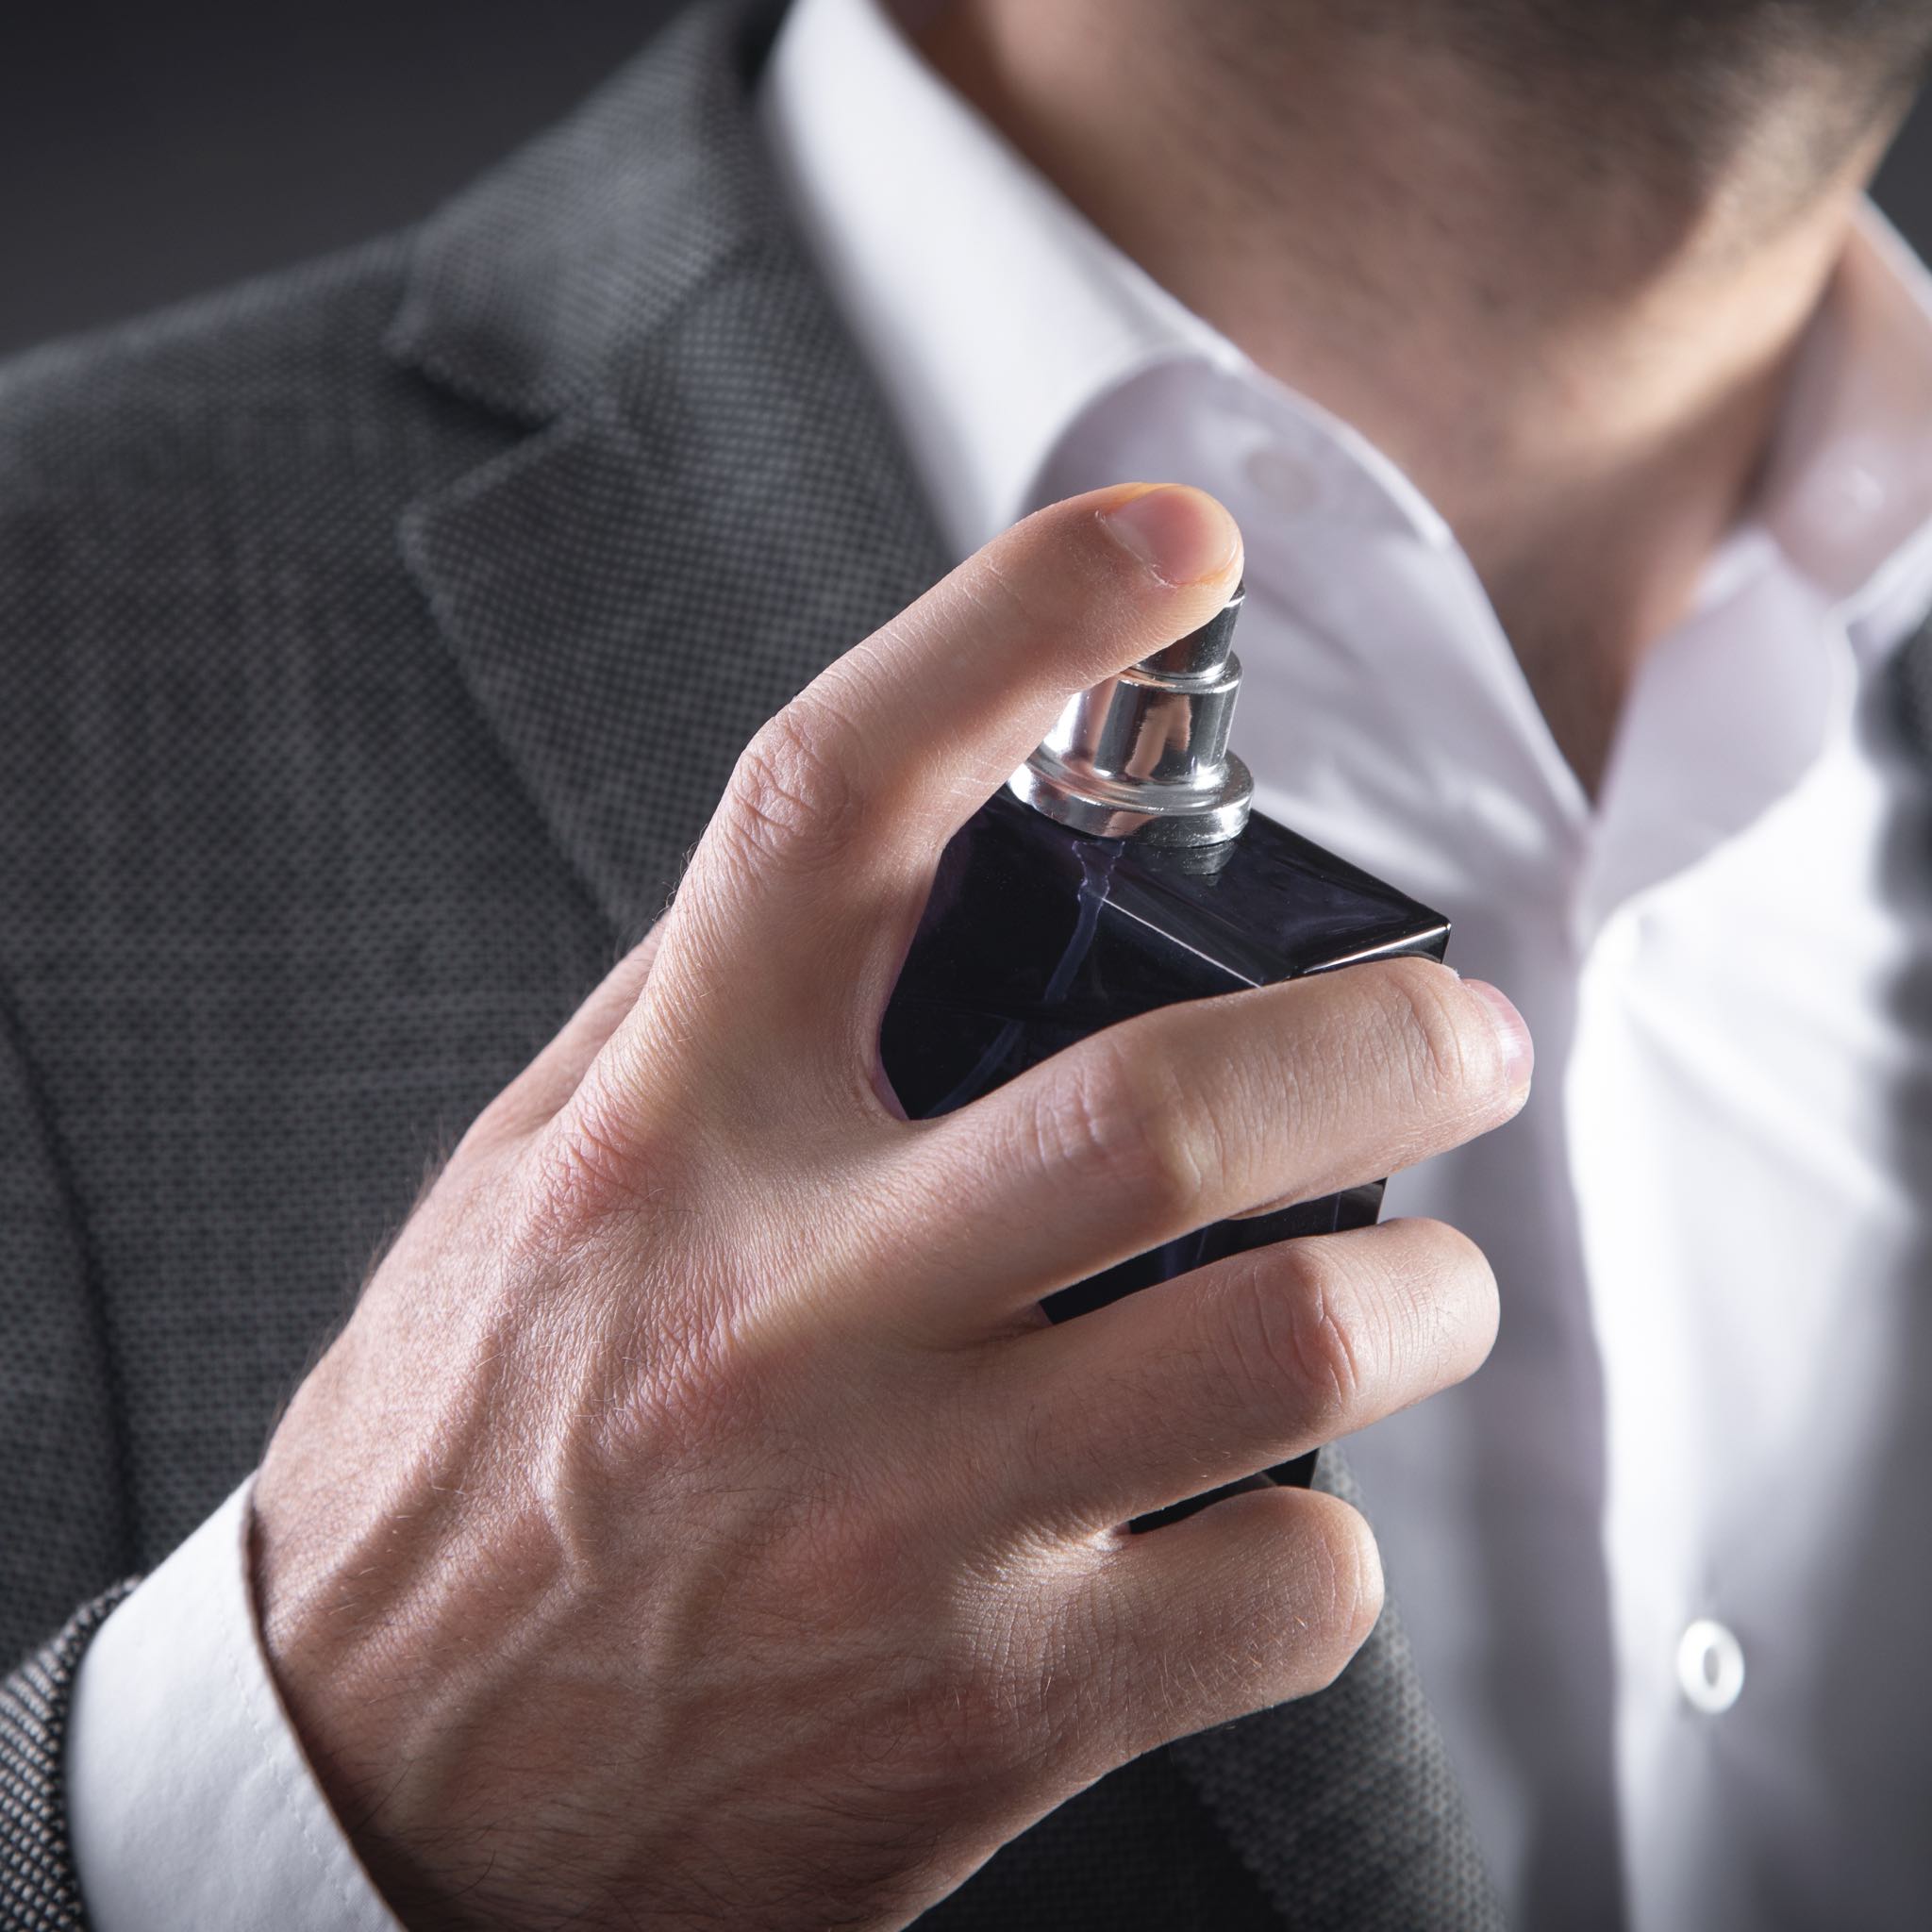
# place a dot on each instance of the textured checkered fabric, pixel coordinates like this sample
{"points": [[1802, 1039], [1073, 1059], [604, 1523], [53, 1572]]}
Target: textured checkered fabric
{"points": [[38, 1891], [377, 638]]}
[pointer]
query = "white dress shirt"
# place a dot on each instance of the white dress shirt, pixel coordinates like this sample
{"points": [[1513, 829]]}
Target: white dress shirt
{"points": [[1663, 1561]]}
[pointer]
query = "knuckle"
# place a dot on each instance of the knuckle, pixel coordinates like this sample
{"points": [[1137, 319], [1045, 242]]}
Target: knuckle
{"points": [[1429, 1024], [588, 1164], [1112, 1123], [579, 1179], [1311, 1335], [792, 798]]}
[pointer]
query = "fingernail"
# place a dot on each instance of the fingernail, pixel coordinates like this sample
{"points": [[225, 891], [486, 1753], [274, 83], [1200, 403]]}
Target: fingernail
{"points": [[1512, 1034], [1182, 535]]}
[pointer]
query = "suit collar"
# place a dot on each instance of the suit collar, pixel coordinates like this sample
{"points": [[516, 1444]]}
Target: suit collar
{"points": [[530, 290], [710, 504]]}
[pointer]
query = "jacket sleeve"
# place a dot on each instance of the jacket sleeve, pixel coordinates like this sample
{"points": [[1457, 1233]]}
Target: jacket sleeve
{"points": [[63, 1511], [38, 1891], [64, 1521], [163, 1741]]}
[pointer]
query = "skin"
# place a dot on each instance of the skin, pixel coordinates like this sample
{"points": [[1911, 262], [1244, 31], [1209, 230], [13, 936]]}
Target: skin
{"points": [[696, 1524], [1570, 321]]}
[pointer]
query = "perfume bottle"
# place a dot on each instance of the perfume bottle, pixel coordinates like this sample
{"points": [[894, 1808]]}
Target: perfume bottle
{"points": [[1123, 869]]}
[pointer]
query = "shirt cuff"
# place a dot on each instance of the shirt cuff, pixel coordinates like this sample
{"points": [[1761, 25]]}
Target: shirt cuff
{"points": [[189, 1804]]}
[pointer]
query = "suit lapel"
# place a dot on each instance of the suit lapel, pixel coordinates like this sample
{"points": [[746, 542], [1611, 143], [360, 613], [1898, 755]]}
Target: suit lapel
{"points": [[709, 505], [710, 502]]}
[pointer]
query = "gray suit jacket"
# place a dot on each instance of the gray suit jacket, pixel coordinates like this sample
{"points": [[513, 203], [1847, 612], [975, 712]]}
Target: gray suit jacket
{"points": [[377, 638]]}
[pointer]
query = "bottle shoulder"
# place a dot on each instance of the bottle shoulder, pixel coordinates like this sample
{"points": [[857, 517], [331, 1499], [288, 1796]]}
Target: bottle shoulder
{"points": [[1035, 935], [1271, 905]]}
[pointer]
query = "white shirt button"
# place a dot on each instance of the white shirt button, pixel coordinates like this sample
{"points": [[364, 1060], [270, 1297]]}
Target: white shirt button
{"points": [[1289, 484], [1710, 1667]]}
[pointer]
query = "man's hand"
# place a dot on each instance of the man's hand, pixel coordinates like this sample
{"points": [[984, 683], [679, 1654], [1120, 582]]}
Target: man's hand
{"points": [[697, 1525]]}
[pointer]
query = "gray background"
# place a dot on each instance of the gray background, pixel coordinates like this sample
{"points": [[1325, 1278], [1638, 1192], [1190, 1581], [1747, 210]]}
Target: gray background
{"points": [[149, 151]]}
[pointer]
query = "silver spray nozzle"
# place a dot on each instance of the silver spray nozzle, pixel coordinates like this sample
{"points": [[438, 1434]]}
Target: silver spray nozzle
{"points": [[1145, 755]]}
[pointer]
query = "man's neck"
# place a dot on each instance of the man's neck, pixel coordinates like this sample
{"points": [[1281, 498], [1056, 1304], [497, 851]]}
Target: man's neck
{"points": [[1579, 361]]}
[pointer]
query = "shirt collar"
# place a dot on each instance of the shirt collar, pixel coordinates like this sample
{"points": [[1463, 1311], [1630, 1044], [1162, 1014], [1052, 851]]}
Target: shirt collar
{"points": [[1847, 489], [994, 315], [992, 311]]}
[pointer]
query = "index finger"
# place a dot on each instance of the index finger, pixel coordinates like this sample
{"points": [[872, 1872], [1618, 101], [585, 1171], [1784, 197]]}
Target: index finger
{"points": [[802, 895]]}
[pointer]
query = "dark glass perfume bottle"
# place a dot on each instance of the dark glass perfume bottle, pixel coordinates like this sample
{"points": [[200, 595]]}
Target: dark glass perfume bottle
{"points": [[1122, 870]]}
